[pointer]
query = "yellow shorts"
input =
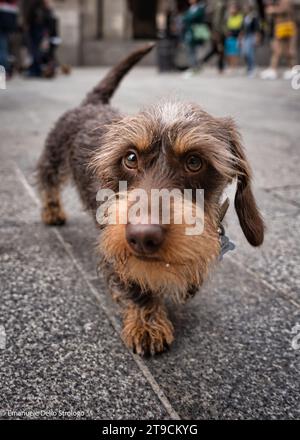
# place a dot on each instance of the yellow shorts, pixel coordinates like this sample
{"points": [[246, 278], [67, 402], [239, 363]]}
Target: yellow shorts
{"points": [[286, 29]]}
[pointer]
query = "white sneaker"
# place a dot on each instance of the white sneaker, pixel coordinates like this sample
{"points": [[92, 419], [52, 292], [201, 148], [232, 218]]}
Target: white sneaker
{"points": [[270, 74], [251, 74], [189, 73], [289, 74]]}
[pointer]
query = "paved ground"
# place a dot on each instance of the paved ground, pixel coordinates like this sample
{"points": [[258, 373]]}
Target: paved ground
{"points": [[233, 356]]}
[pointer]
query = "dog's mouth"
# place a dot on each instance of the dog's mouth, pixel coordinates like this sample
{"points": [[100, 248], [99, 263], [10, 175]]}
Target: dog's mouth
{"points": [[153, 259], [148, 258]]}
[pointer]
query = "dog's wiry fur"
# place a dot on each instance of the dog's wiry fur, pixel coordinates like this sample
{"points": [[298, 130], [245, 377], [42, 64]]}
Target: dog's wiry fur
{"points": [[88, 145]]}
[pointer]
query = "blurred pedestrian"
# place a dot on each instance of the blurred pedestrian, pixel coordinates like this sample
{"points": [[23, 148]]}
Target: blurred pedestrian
{"points": [[8, 25], [37, 23], [285, 37], [250, 36], [218, 34], [233, 28], [195, 31], [49, 56]]}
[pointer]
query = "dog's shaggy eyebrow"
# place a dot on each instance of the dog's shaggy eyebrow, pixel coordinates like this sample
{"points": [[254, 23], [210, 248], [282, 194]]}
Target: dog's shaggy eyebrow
{"points": [[215, 151], [136, 131]]}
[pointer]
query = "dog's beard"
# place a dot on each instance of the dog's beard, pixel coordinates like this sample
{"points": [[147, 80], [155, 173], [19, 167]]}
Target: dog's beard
{"points": [[183, 262]]}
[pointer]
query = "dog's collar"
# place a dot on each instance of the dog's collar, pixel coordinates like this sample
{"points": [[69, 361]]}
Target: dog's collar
{"points": [[226, 244]]}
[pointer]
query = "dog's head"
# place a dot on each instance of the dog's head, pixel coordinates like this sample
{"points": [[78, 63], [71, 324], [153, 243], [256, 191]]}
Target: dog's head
{"points": [[172, 147]]}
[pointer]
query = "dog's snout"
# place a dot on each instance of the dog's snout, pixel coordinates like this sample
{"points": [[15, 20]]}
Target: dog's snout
{"points": [[145, 239]]}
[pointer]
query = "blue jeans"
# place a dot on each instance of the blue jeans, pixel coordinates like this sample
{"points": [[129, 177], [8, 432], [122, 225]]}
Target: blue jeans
{"points": [[4, 50], [248, 51], [192, 51], [35, 41]]}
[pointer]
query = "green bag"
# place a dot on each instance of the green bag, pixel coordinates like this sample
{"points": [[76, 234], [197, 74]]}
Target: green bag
{"points": [[201, 33]]}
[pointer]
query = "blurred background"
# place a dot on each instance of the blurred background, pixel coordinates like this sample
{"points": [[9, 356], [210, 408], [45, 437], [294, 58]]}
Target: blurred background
{"points": [[99, 32]]}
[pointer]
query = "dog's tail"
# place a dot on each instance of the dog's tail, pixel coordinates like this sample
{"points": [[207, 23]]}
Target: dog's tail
{"points": [[106, 88]]}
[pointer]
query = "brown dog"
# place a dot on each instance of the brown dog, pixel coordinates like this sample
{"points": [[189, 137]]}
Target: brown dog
{"points": [[169, 146]]}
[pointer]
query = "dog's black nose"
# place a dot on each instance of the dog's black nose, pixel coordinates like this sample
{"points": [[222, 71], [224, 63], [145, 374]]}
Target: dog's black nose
{"points": [[145, 239]]}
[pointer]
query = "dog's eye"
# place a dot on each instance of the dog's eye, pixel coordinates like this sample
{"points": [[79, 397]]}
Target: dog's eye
{"points": [[130, 160], [193, 163]]}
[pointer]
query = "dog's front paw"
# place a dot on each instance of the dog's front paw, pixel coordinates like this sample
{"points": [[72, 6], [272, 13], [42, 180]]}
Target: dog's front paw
{"points": [[147, 331]]}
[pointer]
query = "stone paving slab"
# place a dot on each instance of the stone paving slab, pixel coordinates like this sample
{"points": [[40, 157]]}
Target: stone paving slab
{"points": [[278, 261]]}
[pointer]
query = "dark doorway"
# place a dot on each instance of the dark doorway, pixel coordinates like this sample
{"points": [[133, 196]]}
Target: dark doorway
{"points": [[144, 18]]}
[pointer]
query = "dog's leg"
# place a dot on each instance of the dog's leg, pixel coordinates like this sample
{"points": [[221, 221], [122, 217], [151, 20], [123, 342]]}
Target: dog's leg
{"points": [[52, 210], [147, 329], [53, 171]]}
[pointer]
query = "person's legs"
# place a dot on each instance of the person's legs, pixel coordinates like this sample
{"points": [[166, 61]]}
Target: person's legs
{"points": [[232, 52], [245, 51], [50, 63], [277, 50], [212, 51], [276, 53], [192, 54], [251, 53], [235, 61], [193, 61], [221, 53], [292, 51], [4, 50], [35, 50], [232, 61]]}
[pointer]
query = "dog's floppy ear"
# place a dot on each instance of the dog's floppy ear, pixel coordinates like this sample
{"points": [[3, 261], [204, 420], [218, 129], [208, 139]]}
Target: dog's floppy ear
{"points": [[249, 216]]}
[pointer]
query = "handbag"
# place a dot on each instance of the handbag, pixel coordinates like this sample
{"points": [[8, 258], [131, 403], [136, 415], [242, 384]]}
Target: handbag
{"points": [[201, 33]]}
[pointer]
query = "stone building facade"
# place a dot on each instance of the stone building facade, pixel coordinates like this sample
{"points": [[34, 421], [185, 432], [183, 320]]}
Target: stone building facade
{"points": [[99, 32]]}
